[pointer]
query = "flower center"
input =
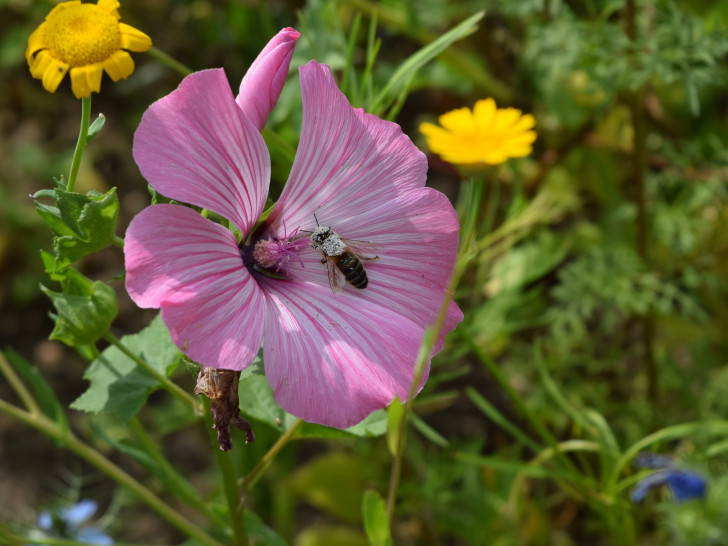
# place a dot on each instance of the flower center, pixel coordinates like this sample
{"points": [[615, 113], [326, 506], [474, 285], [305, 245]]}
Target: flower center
{"points": [[82, 34], [271, 254]]}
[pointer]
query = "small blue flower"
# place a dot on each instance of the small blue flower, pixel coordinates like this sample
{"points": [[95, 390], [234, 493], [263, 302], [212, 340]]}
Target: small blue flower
{"points": [[683, 484], [69, 523]]}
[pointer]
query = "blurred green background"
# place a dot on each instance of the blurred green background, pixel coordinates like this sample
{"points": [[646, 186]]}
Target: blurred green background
{"points": [[598, 289]]}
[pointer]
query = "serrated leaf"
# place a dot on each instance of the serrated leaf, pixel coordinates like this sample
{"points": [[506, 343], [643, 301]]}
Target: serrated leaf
{"points": [[374, 516], [52, 217], [92, 218], [85, 309], [49, 264], [118, 384], [44, 395]]}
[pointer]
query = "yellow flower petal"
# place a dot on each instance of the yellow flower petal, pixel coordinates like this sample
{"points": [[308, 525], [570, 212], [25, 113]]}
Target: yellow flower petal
{"points": [[36, 42], [119, 66], [457, 120], [133, 39], [49, 70], [484, 110], [485, 135], [39, 65], [110, 6], [86, 80], [53, 75]]}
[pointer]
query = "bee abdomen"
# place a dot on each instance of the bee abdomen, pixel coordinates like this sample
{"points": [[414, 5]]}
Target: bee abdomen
{"points": [[353, 270]]}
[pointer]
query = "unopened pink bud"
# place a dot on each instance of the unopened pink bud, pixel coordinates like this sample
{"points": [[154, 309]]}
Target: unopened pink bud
{"points": [[262, 84]]}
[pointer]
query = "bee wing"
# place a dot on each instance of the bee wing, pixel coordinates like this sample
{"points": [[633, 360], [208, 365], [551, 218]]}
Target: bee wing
{"points": [[334, 275], [365, 250]]}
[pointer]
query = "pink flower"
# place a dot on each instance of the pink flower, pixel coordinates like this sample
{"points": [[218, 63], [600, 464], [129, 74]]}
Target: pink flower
{"points": [[331, 358]]}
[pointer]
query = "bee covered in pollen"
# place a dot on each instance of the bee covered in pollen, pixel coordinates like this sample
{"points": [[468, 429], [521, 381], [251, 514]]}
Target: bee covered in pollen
{"points": [[342, 257]]}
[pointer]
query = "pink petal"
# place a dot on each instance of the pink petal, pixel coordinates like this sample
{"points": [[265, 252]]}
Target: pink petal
{"points": [[192, 269], [334, 362], [347, 161], [196, 146], [262, 84], [418, 234]]}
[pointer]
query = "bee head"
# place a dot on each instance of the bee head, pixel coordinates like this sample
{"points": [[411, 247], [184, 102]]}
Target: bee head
{"points": [[320, 234]]}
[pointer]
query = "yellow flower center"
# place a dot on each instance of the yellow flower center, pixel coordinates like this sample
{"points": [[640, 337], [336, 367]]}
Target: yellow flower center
{"points": [[82, 34]]}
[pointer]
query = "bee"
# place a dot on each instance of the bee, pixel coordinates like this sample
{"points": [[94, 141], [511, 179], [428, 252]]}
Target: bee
{"points": [[342, 257]]}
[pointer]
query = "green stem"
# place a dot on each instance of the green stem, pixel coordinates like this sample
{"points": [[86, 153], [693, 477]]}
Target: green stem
{"points": [[152, 448], [229, 482], [81, 143], [89, 454], [246, 482], [18, 386], [169, 62], [118, 241], [475, 188], [453, 55], [639, 158], [172, 387], [8, 537]]}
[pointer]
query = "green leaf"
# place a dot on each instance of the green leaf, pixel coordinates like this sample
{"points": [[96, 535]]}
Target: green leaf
{"points": [[260, 533], [334, 482], [92, 218], [82, 223], [394, 425], [44, 395], [376, 523], [374, 425], [256, 400], [49, 264], [407, 69], [118, 384], [85, 309], [321, 533], [95, 127]]}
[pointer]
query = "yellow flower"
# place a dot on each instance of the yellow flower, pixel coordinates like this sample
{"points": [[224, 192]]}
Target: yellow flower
{"points": [[485, 135], [88, 39]]}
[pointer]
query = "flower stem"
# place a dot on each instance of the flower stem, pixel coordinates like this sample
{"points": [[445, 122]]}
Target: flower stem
{"points": [[639, 164], [81, 143], [229, 482], [89, 454], [18, 386], [152, 448], [173, 388], [169, 61], [475, 188], [246, 482]]}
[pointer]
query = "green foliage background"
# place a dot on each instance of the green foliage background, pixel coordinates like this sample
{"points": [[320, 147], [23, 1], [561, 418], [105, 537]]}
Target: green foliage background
{"points": [[595, 299]]}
